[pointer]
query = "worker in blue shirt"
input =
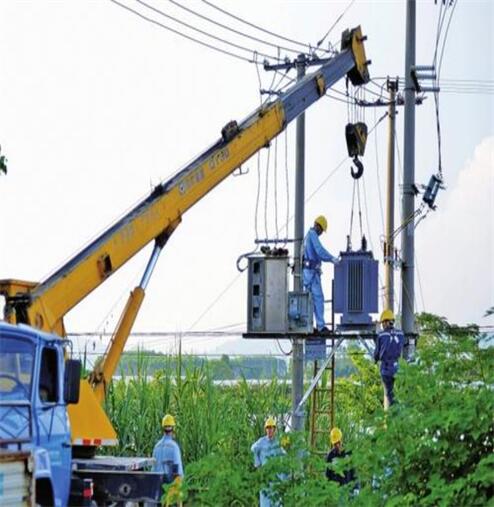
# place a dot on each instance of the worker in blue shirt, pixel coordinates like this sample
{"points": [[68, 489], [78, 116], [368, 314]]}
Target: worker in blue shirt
{"points": [[389, 348], [167, 453], [314, 255], [265, 448]]}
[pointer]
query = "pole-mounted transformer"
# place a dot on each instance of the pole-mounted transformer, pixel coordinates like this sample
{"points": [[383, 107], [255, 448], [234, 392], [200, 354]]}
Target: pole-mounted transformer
{"points": [[356, 289]]}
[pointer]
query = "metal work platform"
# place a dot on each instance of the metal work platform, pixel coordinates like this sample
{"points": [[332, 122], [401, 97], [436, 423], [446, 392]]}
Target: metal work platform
{"points": [[364, 335]]}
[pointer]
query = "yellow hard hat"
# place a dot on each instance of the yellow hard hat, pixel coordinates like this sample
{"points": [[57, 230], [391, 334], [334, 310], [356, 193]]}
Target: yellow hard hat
{"points": [[168, 420], [387, 315], [321, 220], [335, 436], [270, 422]]}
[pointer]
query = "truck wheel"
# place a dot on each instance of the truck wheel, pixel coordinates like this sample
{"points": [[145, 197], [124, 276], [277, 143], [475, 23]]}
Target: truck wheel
{"points": [[44, 493]]}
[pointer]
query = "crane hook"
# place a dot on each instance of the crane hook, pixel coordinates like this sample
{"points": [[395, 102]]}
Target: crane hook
{"points": [[360, 168]]}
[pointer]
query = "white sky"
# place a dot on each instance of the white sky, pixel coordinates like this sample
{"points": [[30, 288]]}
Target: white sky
{"points": [[97, 106]]}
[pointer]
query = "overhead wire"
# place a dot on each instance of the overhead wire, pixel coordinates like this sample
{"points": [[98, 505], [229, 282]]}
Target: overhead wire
{"points": [[438, 72], [463, 85], [258, 158], [193, 39], [241, 20], [455, 3], [230, 29], [281, 349], [258, 194], [436, 94], [367, 219], [202, 32], [220, 295], [467, 92], [275, 175], [420, 282], [266, 191], [378, 175], [287, 183], [335, 23]]}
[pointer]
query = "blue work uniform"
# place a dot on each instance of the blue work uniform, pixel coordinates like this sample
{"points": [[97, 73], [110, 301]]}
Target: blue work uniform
{"points": [[264, 449], [314, 255], [168, 458], [388, 350]]}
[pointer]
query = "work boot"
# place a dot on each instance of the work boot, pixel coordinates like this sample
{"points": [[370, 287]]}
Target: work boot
{"points": [[324, 330]]}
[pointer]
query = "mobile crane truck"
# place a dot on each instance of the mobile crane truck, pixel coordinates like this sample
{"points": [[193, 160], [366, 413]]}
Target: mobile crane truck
{"points": [[46, 410]]}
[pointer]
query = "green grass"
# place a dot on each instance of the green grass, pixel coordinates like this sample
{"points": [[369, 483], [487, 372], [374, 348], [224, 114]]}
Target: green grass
{"points": [[208, 416]]}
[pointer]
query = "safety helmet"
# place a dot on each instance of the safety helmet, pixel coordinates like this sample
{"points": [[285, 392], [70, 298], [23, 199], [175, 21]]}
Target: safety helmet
{"points": [[270, 423], [322, 222], [387, 315], [168, 420], [335, 436]]}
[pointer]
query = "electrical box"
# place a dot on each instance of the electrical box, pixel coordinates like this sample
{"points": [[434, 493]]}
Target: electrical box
{"points": [[356, 289], [300, 309], [267, 300]]}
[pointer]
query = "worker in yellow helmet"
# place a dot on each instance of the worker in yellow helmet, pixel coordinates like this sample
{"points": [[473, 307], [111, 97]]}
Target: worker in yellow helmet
{"points": [[314, 255], [389, 348], [168, 459], [336, 440], [267, 447]]}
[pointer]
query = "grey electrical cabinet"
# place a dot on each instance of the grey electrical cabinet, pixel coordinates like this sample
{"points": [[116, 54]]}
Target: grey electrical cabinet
{"points": [[300, 309], [267, 294]]}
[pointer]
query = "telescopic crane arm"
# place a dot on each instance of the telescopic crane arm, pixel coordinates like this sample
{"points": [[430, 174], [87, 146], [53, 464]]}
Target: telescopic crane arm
{"points": [[45, 304]]}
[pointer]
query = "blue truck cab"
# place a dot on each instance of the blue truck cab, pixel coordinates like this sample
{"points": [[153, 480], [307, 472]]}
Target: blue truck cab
{"points": [[37, 382]]}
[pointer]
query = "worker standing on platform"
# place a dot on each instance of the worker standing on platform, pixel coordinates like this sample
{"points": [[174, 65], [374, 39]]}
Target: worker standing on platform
{"points": [[314, 255], [336, 439], [167, 453], [266, 447], [389, 348]]}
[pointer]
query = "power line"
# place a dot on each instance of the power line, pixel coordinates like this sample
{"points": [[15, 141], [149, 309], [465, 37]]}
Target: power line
{"points": [[230, 29], [420, 282], [438, 72], [220, 295], [306, 46], [186, 355], [336, 22], [142, 334], [469, 92], [207, 34], [445, 38], [202, 43], [378, 175]]}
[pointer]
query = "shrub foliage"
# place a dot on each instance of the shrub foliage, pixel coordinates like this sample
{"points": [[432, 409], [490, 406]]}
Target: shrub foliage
{"points": [[434, 446]]}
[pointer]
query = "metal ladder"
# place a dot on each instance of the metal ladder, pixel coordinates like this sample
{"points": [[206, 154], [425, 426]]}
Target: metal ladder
{"points": [[322, 405], [322, 397]]}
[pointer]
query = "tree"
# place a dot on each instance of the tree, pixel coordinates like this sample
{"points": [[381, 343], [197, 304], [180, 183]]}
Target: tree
{"points": [[3, 162], [435, 446]]}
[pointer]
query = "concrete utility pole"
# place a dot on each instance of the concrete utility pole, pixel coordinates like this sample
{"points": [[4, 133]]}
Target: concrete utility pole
{"points": [[298, 346], [390, 201], [408, 240]]}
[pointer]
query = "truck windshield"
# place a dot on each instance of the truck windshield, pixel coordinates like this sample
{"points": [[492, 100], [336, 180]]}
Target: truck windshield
{"points": [[16, 368]]}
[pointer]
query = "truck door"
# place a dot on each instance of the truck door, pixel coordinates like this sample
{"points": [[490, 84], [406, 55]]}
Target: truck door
{"points": [[54, 431]]}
